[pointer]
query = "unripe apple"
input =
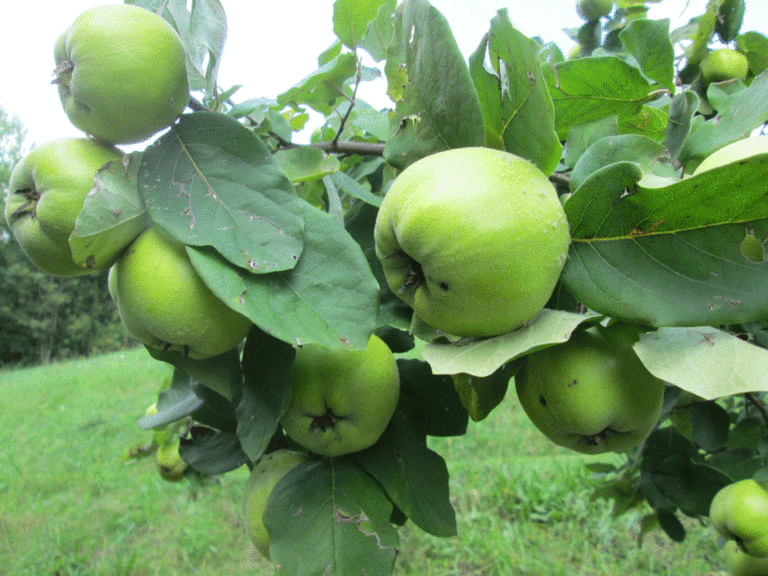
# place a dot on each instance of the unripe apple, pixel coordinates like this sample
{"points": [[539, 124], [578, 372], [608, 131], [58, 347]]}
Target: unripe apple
{"points": [[741, 564], [121, 73], [474, 239], [46, 193], [169, 463], [267, 472], [724, 64], [591, 394], [165, 304], [342, 400]]}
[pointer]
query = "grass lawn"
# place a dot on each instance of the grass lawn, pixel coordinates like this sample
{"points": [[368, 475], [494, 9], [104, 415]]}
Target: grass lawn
{"points": [[70, 505]]}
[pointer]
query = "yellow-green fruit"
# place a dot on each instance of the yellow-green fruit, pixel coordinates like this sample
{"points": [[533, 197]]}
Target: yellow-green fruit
{"points": [[741, 564], [724, 64], [342, 400], [591, 394], [121, 73], [165, 304], [169, 462], [474, 239], [739, 512], [46, 193], [264, 476], [734, 152]]}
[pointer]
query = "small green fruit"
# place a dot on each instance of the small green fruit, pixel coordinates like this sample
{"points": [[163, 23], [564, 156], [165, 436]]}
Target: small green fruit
{"points": [[121, 73], [739, 512], [724, 64], [591, 10], [473, 239], [592, 393], [267, 472], [46, 193], [342, 400], [165, 304], [169, 462]]}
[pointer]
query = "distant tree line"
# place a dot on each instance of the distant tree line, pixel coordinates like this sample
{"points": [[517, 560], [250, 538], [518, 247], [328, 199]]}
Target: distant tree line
{"points": [[44, 318]]}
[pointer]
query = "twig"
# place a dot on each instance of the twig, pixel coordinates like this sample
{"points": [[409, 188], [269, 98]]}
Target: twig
{"points": [[760, 408]]}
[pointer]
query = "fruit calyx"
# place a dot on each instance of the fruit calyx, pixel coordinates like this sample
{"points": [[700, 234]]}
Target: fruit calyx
{"points": [[597, 439], [62, 72], [325, 421], [29, 206]]}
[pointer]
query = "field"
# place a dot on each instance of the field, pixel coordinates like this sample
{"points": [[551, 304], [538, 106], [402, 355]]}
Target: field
{"points": [[71, 506]]}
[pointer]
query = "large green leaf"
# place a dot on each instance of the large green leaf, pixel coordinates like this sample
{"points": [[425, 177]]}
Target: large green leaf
{"points": [[330, 517], [588, 89], [351, 18], [437, 107], [679, 254], [331, 297], [323, 87], [649, 42], [380, 32], [517, 109], [211, 182], [705, 361]]}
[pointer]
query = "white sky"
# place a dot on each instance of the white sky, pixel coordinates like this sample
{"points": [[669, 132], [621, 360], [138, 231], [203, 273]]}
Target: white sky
{"points": [[271, 45]]}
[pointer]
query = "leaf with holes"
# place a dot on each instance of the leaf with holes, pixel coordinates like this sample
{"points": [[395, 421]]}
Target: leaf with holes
{"points": [[211, 182]]}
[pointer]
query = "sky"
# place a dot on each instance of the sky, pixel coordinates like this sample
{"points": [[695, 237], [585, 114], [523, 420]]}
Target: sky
{"points": [[271, 45]]}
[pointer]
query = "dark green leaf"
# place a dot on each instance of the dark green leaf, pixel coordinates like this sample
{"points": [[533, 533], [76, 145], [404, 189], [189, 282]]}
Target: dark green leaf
{"points": [[517, 110], [266, 391], [671, 525], [755, 46], [681, 112], [330, 517], [331, 297], [414, 477], [747, 433], [441, 406], [588, 89], [211, 182], [437, 107], [213, 453], [481, 395], [710, 423], [648, 41], [174, 403], [582, 136], [730, 19]]}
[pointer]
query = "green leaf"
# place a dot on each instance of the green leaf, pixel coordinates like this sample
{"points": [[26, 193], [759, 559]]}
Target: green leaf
{"points": [[112, 215], [739, 115], [755, 46], [588, 89], [690, 486], [671, 525], [705, 361], [481, 395], [174, 403], [331, 296], [670, 255], [414, 477], [730, 19], [650, 122], [330, 517], [353, 188], [649, 42], [582, 136], [682, 109], [517, 110], [213, 453], [211, 182], [323, 87], [437, 106], [351, 18], [710, 423], [266, 391], [305, 164], [483, 357], [380, 31]]}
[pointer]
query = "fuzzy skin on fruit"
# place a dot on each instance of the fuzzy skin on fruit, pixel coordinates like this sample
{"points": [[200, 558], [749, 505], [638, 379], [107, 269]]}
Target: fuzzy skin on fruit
{"points": [[46, 193], [474, 239], [739, 512], [121, 73], [591, 394], [165, 304], [342, 400], [724, 64]]}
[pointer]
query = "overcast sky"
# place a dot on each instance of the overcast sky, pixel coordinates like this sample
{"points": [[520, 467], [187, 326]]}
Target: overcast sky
{"points": [[271, 44]]}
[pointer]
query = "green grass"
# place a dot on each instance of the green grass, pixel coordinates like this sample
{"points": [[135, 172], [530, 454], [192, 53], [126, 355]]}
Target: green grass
{"points": [[70, 505]]}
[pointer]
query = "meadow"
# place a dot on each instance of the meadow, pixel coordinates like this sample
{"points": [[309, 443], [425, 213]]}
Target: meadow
{"points": [[71, 505]]}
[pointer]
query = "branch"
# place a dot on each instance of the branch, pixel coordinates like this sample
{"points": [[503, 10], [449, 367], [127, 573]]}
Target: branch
{"points": [[760, 408]]}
